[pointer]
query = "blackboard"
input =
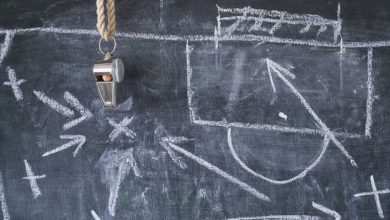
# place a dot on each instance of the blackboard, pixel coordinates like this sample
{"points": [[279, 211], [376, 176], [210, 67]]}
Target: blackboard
{"points": [[228, 110]]}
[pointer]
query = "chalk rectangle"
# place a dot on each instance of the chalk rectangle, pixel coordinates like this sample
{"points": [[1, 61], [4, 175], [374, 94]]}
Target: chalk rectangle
{"points": [[231, 85]]}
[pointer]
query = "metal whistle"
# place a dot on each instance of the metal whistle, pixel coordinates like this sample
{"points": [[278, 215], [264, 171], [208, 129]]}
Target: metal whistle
{"points": [[108, 72]]}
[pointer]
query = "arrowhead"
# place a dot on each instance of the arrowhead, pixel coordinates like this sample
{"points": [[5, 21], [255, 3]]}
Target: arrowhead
{"points": [[326, 210], [274, 66], [75, 140], [75, 103], [167, 142]]}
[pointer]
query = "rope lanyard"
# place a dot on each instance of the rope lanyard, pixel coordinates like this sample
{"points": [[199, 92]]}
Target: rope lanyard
{"points": [[107, 29]]}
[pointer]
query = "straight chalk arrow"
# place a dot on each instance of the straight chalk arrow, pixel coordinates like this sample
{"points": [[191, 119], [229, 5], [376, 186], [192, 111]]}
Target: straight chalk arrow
{"points": [[328, 211], [78, 140], [85, 113], [53, 104], [280, 72]]}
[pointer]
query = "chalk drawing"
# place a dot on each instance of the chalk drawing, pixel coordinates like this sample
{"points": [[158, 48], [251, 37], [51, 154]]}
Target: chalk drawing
{"points": [[94, 215], [326, 210], [376, 194], [278, 217], [248, 15], [32, 178], [53, 104], [273, 67], [115, 165], [78, 140], [370, 93], [6, 45], [121, 127], [14, 83], [4, 207], [324, 148], [75, 103], [282, 115], [221, 173], [165, 141], [198, 38], [323, 126]]}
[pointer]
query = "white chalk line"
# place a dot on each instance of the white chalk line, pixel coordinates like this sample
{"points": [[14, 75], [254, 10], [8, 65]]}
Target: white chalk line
{"points": [[14, 83], [385, 191], [6, 45], [326, 210], [53, 104], [323, 126], [4, 207], [221, 173], [324, 147], [197, 38], [370, 93], [32, 178], [190, 92], [78, 140], [267, 127], [278, 217], [94, 215]]}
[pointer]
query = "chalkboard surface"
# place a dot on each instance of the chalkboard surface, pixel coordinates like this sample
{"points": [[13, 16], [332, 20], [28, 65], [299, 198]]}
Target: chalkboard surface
{"points": [[228, 110]]}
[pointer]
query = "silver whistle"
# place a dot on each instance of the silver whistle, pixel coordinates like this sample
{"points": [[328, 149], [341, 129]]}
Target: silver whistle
{"points": [[108, 72]]}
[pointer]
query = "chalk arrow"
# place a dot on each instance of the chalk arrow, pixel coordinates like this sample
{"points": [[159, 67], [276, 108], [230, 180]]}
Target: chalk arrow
{"points": [[78, 140], [280, 72], [74, 102], [53, 104], [326, 210], [167, 141], [273, 66]]}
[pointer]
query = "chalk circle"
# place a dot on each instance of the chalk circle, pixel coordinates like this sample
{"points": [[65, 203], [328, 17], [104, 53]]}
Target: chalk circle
{"points": [[100, 46], [324, 148]]}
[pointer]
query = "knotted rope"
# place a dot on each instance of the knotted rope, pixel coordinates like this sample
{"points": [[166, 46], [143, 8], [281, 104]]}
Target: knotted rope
{"points": [[107, 29]]}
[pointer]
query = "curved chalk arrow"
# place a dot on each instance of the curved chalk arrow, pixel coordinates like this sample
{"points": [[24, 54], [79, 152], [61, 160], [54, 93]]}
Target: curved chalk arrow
{"points": [[328, 211], [280, 72], [78, 140]]}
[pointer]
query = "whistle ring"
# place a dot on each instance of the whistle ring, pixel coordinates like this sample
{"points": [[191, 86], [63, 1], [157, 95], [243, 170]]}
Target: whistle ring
{"points": [[100, 46]]}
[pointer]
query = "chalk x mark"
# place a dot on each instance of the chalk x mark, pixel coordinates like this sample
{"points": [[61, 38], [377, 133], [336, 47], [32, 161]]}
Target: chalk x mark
{"points": [[6, 45], [221, 173], [121, 127], [326, 210], [376, 194], [75, 103], [14, 83], [322, 125], [53, 104], [78, 140], [32, 178], [4, 207]]}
